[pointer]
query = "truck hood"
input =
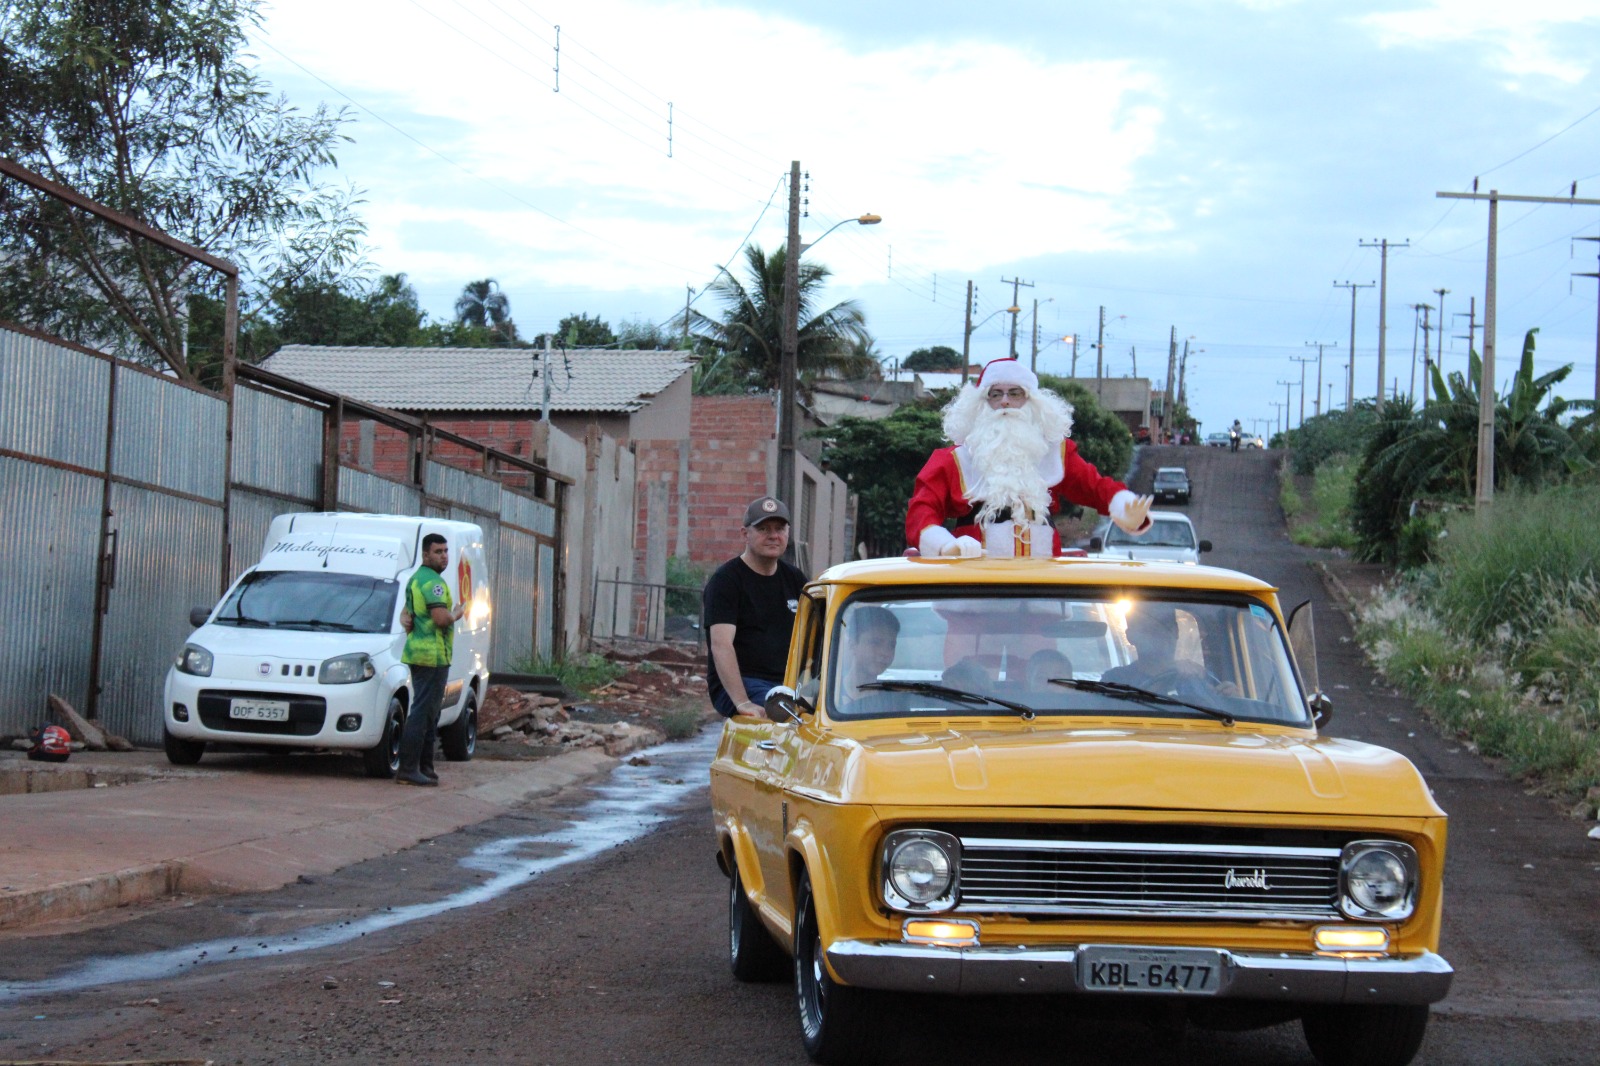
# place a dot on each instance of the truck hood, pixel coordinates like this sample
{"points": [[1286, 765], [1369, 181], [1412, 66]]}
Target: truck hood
{"points": [[1202, 768]]}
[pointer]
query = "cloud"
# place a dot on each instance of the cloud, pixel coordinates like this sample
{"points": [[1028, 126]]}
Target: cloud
{"points": [[1522, 40]]}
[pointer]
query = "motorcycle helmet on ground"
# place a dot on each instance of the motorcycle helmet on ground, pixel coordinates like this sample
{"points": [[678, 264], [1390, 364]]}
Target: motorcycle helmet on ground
{"points": [[51, 743]]}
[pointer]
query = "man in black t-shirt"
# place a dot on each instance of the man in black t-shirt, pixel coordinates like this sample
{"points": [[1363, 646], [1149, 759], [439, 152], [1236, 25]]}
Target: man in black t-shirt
{"points": [[748, 610]]}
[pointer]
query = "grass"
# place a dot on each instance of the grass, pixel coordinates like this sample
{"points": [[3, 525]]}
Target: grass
{"points": [[580, 674], [1499, 638], [1323, 521]]}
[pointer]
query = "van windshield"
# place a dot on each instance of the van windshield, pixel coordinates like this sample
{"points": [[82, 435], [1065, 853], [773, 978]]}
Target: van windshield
{"points": [[311, 600]]}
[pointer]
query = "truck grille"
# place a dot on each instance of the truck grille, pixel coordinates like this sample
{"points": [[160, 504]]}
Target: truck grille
{"points": [[1107, 878]]}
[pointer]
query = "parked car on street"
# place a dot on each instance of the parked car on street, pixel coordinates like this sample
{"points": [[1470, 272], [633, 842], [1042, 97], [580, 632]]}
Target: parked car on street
{"points": [[1219, 440], [1171, 538], [1076, 777], [303, 652], [1171, 484]]}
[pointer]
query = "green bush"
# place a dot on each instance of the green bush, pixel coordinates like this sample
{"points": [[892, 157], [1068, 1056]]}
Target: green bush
{"points": [[1325, 438], [580, 674], [685, 582], [681, 723]]}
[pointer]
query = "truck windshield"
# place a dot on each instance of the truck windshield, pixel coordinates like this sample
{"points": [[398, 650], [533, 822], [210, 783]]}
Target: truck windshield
{"points": [[311, 600], [943, 655]]}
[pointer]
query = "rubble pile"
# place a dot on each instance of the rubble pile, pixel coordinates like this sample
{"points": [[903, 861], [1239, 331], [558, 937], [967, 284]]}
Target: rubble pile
{"points": [[619, 717]]}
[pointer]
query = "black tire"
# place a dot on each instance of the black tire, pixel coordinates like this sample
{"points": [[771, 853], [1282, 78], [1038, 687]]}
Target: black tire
{"points": [[838, 1024], [383, 758], [181, 752], [1388, 1035], [752, 953], [459, 739]]}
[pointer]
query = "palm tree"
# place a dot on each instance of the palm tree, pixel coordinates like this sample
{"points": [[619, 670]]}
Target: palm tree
{"points": [[751, 326], [482, 305]]}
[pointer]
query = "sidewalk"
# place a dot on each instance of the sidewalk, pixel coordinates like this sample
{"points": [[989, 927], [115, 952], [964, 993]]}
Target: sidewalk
{"points": [[108, 829]]}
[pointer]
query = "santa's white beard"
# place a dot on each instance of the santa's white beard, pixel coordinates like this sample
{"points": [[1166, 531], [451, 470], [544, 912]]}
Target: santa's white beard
{"points": [[1008, 445]]}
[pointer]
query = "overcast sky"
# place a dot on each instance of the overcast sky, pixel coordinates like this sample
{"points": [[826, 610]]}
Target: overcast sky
{"points": [[1201, 165]]}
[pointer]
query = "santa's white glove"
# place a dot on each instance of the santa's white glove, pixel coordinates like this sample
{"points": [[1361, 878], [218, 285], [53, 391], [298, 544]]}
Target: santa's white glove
{"points": [[963, 547], [1130, 512]]}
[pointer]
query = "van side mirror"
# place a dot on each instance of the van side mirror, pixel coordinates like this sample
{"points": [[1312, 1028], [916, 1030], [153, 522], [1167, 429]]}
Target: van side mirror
{"points": [[780, 706], [198, 616], [1205, 545]]}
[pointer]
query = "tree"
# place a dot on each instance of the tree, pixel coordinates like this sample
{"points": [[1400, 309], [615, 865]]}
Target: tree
{"points": [[645, 336], [148, 109], [1101, 437], [938, 359], [751, 327], [581, 331], [880, 460], [482, 306]]}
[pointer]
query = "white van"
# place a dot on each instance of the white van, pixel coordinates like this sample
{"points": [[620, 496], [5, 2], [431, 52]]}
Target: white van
{"points": [[304, 650]]}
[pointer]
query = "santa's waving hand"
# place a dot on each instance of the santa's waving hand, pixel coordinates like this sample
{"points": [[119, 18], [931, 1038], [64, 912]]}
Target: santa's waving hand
{"points": [[1011, 462]]}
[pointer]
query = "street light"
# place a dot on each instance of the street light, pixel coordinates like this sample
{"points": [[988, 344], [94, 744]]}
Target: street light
{"points": [[788, 367], [966, 340]]}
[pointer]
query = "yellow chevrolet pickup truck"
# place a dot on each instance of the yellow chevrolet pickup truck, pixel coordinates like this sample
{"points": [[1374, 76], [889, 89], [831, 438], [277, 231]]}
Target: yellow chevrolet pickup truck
{"points": [[1081, 777]]}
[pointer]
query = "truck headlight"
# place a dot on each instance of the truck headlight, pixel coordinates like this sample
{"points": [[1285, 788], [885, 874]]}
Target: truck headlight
{"points": [[346, 670], [194, 659], [920, 870], [1378, 880]]}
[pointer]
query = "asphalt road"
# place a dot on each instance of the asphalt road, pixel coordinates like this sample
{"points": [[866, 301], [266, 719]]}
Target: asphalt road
{"points": [[621, 959]]}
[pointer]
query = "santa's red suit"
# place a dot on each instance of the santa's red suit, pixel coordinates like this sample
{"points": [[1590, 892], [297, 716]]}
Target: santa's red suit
{"points": [[1012, 502], [943, 485]]}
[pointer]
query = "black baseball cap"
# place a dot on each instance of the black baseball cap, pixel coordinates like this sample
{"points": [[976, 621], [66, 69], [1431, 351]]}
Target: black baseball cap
{"points": [[764, 508]]}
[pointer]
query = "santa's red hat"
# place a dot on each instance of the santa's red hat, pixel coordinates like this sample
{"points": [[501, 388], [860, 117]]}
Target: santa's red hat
{"points": [[1008, 372]]}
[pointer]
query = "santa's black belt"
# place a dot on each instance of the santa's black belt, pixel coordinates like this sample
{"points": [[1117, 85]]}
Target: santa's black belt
{"points": [[971, 517]]}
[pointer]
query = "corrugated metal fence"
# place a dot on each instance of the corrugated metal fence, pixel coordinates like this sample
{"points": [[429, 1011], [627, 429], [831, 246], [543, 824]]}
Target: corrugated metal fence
{"points": [[118, 497]]}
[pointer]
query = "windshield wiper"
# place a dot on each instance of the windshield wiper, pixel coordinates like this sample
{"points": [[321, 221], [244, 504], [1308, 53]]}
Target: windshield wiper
{"points": [[1118, 690], [958, 695], [321, 624], [241, 620]]}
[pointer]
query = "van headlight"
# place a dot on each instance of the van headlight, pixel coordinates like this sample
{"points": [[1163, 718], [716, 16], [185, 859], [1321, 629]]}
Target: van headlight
{"points": [[920, 868], [194, 659], [346, 670], [1378, 880]]}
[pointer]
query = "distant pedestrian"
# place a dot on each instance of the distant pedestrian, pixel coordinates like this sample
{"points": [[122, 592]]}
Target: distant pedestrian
{"points": [[430, 617], [748, 610]]}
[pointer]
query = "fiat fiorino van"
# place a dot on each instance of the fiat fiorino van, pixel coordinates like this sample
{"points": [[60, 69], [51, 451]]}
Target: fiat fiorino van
{"points": [[303, 652]]}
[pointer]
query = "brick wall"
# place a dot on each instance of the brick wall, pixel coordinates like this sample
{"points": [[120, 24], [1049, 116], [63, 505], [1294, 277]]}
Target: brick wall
{"points": [[390, 448], [732, 439]]}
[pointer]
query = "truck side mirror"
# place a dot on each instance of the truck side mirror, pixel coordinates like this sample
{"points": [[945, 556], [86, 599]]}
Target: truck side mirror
{"points": [[780, 705], [1205, 545], [198, 616], [1321, 709], [1096, 544]]}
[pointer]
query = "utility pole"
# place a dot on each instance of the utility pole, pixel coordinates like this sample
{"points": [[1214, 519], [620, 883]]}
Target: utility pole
{"points": [[1596, 325], [966, 337], [1074, 355], [1471, 316], [1302, 360], [1427, 355], [1100, 358], [1316, 400], [1033, 358], [1133, 355], [1486, 395], [1419, 314], [1443, 325], [1016, 308], [1183, 379], [688, 298], [788, 368], [1283, 410], [1172, 396], [1350, 368], [1383, 304]]}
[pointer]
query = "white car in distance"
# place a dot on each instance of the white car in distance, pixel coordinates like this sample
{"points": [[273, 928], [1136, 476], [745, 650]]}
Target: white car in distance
{"points": [[1171, 538]]}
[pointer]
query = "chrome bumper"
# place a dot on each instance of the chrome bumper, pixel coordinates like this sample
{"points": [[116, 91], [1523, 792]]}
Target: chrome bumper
{"points": [[1284, 977]]}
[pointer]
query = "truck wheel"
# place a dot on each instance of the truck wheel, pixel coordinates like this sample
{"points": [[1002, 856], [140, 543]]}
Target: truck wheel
{"points": [[838, 1023], [752, 952], [459, 739], [1387, 1035], [383, 758], [181, 752]]}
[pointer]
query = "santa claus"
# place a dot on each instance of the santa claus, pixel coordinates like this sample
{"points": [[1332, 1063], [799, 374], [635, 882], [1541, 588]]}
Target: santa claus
{"points": [[1012, 463]]}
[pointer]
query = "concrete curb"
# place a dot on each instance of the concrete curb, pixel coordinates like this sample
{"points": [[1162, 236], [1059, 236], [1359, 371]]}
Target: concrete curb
{"points": [[213, 847]]}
